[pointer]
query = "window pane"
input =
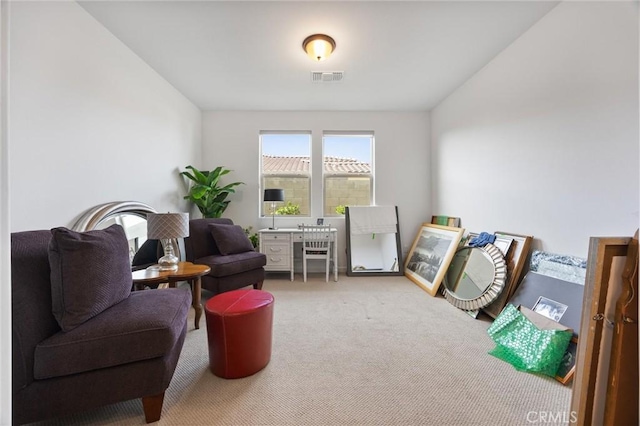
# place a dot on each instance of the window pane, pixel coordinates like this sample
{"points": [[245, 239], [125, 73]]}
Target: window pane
{"points": [[296, 195], [286, 165], [348, 174], [346, 191]]}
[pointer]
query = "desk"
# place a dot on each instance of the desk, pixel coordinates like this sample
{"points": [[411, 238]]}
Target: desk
{"points": [[277, 245], [187, 271]]}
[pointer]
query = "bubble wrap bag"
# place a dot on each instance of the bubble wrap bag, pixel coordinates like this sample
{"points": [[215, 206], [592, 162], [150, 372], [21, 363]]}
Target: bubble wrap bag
{"points": [[527, 347]]}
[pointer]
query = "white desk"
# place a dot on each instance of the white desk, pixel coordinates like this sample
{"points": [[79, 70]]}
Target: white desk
{"points": [[277, 245]]}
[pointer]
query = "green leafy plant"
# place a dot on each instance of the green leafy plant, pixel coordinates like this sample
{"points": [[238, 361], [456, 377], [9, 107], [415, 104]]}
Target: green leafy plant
{"points": [[288, 209], [253, 237], [340, 209], [206, 192]]}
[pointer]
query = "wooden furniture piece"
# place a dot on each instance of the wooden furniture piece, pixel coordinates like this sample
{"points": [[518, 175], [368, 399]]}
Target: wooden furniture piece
{"points": [[278, 246], [586, 399], [621, 406], [186, 271], [316, 244]]}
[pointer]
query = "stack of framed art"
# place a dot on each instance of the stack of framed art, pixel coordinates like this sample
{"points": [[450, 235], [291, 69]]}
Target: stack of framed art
{"points": [[429, 264], [435, 245]]}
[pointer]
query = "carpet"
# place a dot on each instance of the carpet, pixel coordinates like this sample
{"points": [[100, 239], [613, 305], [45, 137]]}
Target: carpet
{"points": [[362, 351]]}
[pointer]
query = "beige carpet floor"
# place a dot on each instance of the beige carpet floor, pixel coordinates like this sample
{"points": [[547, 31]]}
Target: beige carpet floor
{"points": [[362, 351]]}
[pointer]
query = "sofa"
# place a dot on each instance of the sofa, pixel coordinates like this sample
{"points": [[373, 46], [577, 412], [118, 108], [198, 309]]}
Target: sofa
{"points": [[72, 353], [223, 246]]}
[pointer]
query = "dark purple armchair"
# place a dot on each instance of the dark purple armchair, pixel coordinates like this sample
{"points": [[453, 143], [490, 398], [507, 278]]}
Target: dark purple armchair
{"points": [[242, 267], [128, 351]]}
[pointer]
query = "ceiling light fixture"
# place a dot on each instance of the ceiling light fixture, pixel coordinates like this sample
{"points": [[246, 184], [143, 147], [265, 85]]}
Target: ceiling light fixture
{"points": [[319, 46]]}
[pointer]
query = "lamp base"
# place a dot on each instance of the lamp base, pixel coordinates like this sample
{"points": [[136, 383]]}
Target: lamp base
{"points": [[168, 263]]}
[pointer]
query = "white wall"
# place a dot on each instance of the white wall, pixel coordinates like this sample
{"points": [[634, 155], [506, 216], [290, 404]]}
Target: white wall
{"points": [[5, 258], [90, 122], [401, 169], [544, 139]]}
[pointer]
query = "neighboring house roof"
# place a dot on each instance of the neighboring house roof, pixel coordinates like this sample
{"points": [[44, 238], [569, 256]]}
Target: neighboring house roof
{"points": [[300, 164]]}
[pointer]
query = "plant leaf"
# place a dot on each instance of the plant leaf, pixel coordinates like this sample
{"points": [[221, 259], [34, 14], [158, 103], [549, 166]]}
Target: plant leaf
{"points": [[198, 191], [200, 177]]}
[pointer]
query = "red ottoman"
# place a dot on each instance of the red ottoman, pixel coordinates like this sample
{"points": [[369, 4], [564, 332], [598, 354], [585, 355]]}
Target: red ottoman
{"points": [[239, 326]]}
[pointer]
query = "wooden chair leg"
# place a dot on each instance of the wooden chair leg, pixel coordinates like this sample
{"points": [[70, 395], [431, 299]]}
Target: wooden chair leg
{"points": [[152, 406], [258, 285]]}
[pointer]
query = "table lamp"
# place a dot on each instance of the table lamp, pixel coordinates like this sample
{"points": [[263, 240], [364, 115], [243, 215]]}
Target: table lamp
{"points": [[166, 227], [273, 195]]}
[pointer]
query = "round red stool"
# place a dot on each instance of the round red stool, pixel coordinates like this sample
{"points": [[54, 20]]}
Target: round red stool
{"points": [[239, 327]]}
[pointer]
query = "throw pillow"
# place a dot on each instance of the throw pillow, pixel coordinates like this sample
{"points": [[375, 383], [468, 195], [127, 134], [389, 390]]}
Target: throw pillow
{"points": [[230, 239], [90, 272]]}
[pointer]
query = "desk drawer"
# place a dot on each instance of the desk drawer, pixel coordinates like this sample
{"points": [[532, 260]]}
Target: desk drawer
{"points": [[276, 249], [285, 238], [278, 262], [297, 237]]}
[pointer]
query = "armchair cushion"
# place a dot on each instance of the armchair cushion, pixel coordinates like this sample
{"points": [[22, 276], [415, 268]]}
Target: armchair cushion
{"points": [[230, 239], [90, 272], [145, 325], [222, 266]]}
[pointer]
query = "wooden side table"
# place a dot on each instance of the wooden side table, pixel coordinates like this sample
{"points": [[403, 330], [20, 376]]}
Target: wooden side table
{"points": [[186, 271]]}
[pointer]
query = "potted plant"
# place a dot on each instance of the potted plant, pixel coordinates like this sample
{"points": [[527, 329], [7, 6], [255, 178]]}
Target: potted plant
{"points": [[253, 237], [206, 192]]}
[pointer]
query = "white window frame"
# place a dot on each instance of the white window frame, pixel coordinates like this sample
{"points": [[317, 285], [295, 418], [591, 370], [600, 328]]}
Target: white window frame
{"points": [[309, 175], [370, 175]]}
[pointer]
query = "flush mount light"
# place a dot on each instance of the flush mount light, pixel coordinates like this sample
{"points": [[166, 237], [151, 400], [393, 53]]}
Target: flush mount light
{"points": [[319, 46]]}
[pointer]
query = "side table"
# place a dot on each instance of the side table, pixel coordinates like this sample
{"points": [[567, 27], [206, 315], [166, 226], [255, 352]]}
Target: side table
{"points": [[186, 271]]}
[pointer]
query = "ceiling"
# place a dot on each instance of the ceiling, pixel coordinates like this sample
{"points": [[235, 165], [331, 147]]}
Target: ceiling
{"points": [[242, 55]]}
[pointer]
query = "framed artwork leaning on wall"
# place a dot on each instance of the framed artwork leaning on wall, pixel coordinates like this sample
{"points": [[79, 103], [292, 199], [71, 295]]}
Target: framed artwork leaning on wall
{"points": [[430, 255]]}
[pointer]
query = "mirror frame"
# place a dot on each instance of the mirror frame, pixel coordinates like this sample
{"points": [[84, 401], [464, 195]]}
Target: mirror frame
{"points": [[492, 291], [94, 216]]}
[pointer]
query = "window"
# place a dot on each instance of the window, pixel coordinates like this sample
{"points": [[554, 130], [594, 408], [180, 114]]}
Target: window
{"points": [[286, 164], [347, 171]]}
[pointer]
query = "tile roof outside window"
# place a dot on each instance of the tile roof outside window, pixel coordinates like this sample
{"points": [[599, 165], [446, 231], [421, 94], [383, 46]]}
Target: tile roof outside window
{"points": [[300, 164]]}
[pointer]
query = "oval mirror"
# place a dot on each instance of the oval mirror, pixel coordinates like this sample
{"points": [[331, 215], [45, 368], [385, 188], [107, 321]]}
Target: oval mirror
{"points": [[135, 228], [475, 277], [131, 215]]}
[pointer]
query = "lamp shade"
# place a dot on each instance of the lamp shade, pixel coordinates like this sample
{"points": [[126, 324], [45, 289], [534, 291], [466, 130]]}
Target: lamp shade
{"points": [[273, 195], [319, 46], [162, 226]]}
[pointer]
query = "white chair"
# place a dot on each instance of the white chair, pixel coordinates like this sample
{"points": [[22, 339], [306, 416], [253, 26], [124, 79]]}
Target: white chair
{"points": [[316, 244]]}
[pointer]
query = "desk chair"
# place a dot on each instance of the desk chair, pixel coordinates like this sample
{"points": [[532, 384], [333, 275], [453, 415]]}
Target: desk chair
{"points": [[316, 244]]}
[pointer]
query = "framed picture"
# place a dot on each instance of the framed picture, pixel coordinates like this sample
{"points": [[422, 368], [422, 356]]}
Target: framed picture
{"points": [[431, 254], [568, 364], [550, 308], [320, 221], [552, 297], [516, 258], [446, 221]]}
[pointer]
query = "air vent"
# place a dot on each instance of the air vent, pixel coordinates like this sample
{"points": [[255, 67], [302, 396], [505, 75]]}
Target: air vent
{"points": [[326, 76]]}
